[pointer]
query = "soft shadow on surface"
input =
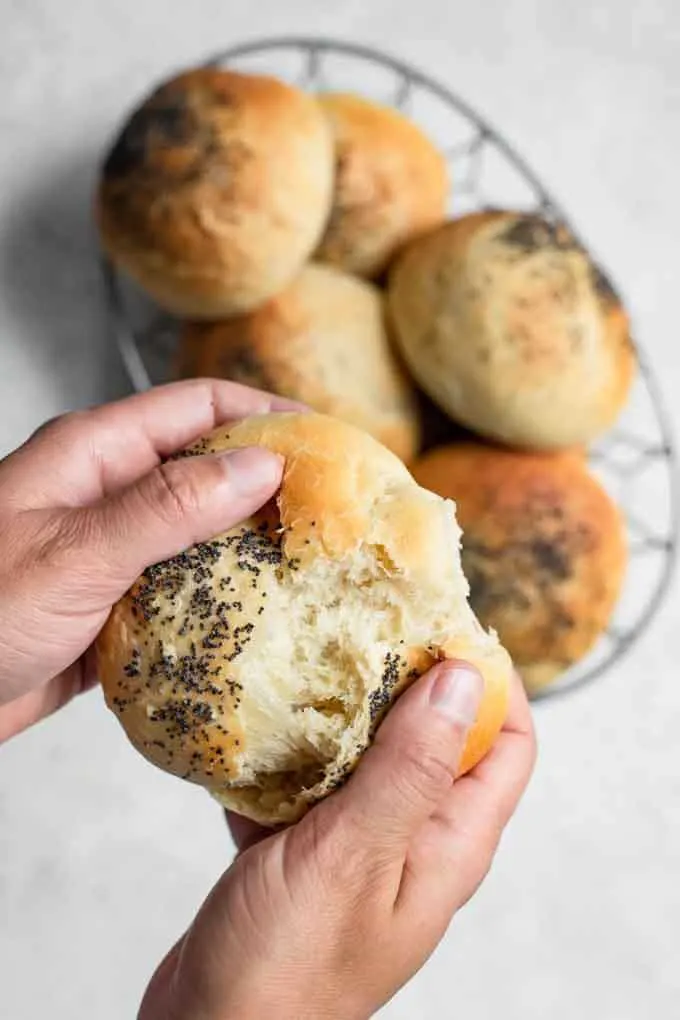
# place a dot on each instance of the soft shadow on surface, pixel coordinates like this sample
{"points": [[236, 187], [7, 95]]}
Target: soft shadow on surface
{"points": [[438, 428], [50, 287]]}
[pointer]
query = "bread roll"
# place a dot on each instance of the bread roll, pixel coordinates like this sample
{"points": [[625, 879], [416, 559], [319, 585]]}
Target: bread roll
{"points": [[543, 549], [511, 328], [259, 664], [391, 184], [217, 190], [323, 342]]}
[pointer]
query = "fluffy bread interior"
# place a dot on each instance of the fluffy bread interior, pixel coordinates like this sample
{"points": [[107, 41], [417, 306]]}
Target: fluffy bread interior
{"points": [[331, 667]]}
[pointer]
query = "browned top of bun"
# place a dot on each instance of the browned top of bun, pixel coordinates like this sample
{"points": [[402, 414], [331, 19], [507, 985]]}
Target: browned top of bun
{"points": [[513, 329], [217, 189], [323, 342], [543, 548], [391, 184]]}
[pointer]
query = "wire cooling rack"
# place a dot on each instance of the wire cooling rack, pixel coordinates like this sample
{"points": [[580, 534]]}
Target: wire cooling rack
{"points": [[636, 461]]}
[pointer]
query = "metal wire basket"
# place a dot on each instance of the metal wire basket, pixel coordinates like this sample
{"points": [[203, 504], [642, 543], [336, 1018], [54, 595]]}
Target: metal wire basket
{"points": [[636, 461]]}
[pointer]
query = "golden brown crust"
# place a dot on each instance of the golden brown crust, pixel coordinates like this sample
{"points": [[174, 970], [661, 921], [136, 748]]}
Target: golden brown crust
{"points": [[323, 342], [509, 325], [217, 190], [259, 664], [391, 184], [543, 549]]}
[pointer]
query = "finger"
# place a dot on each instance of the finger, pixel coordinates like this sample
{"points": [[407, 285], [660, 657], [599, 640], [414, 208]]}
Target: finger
{"points": [[484, 800], [177, 505], [84, 456], [413, 761], [451, 855], [244, 832], [159, 1000], [22, 712]]}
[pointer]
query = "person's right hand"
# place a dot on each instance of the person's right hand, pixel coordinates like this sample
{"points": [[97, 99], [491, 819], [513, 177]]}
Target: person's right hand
{"points": [[327, 919]]}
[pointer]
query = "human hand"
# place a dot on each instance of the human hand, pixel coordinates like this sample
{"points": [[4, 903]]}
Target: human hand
{"points": [[327, 919], [87, 504]]}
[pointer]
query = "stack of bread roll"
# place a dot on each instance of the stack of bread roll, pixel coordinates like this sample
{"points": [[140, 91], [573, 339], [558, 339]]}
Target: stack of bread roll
{"points": [[304, 243]]}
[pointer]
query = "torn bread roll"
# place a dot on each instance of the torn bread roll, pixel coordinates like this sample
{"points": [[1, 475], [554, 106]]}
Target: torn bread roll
{"points": [[259, 664]]}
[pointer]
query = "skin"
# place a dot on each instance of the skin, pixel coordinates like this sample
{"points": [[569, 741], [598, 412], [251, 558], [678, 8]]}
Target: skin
{"points": [[329, 917]]}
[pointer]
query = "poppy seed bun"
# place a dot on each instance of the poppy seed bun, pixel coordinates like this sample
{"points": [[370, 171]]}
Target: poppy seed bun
{"points": [[507, 323], [259, 664], [543, 549], [322, 342], [391, 183], [217, 190]]}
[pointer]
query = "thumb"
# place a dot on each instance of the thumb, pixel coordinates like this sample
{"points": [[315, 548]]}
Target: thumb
{"points": [[413, 761], [180, 503]]}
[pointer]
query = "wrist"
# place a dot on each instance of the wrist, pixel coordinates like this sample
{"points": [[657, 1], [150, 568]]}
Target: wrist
{"points": [[298, 997], [295, 1002]]}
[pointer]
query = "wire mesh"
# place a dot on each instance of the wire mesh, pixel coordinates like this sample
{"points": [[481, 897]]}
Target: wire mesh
{"points": [[636, 461]]}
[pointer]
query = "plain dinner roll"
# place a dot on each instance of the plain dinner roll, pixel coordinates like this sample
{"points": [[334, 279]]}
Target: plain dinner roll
{"points": [[259, 664], [511, 328], [217, 190], [543, 549], [322, 342], [391, 184]]}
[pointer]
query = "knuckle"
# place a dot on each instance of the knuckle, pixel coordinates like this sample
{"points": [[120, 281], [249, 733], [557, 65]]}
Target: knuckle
{"points": [[59, 424], [46, 543], [422, 772], [175, 490], [62, 537]]}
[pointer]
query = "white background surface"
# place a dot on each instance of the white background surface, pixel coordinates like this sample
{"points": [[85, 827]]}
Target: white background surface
{"points": [[102, 858]]}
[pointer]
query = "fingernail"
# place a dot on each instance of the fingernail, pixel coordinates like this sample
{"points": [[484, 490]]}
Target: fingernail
{"points": [[457, 692], [285, 405], [252, 469]]}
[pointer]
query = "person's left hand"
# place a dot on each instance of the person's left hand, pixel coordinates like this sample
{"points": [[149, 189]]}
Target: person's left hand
{"points": [[88, 503]]}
